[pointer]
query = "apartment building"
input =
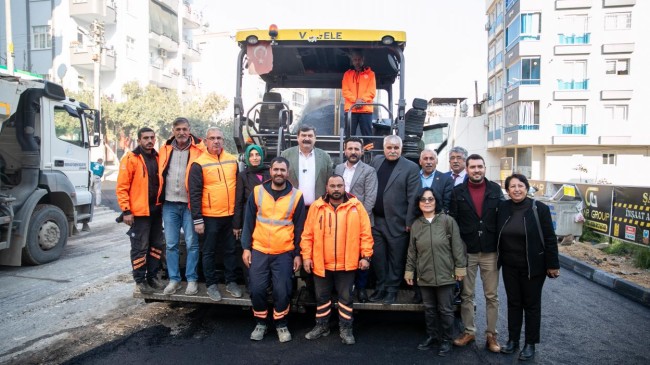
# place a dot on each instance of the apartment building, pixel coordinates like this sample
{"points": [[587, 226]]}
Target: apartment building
{"points": [[147, 41], [567, 88]]}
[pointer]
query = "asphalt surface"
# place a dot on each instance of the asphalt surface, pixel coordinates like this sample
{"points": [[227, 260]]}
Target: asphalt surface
{"points": [[582, 322]]}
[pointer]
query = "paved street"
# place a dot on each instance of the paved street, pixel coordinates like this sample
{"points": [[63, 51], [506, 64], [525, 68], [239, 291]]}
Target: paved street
{"points": [[76, 303]]}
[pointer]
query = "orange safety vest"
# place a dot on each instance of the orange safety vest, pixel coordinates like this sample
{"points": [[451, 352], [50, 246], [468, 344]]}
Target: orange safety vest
{"points": [[273, 232], [335, 240], [132, 189], [219, 184]]}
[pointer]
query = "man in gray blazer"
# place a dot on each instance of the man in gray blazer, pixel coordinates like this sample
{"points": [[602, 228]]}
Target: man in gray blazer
{"points": [[398, 185], [360, 181], [309, 167]]}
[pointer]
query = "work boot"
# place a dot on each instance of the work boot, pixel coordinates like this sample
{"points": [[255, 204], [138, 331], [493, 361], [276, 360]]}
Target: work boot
{"points": [[172, 288], [283, 334], [346, 335], [492, 344], [510, 347], [143, 288], [192, 288], [156, 283], [213, 292], [445, 348], [465, 339], [362, 296], [390, 298], [234, 289], [528, 352], [320, 330], [259, 332], [430, 341], [377, 296]]}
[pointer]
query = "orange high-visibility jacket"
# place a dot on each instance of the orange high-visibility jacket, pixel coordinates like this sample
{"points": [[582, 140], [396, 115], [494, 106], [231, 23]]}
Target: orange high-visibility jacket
{"points": [[359, 85], [219, 184], [274, 229], [132, 187], [335, 240], [164, 155]]}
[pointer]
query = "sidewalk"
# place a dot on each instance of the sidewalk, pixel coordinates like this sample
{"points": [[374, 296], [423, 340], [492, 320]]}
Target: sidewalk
{"points": [[623, 287]]}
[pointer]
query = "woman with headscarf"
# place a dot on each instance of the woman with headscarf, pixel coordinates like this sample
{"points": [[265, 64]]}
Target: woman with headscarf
{"points": [[436, 256], [254, 174], [527, 250]]}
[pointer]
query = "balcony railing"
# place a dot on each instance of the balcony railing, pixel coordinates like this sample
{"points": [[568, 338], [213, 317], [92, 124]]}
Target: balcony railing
{"points": [[584, 38], [573, 84], [575, 129], [522, 127]]}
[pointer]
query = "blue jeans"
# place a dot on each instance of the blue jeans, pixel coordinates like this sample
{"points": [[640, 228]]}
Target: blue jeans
{"points": [[176, 215]]}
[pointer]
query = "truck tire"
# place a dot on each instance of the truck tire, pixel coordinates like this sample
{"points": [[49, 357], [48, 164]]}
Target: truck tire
{"points": [[47, 235]]}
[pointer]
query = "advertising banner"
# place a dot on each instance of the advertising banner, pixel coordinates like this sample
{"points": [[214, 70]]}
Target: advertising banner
{"points": [[597, 207], [631, 214]]}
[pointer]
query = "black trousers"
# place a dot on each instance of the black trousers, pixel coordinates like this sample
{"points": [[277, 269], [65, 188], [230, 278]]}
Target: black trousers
{"points": [[524, 300], [389, 256], [343, 281], [218, 233], [146, 245], [439, 310]]}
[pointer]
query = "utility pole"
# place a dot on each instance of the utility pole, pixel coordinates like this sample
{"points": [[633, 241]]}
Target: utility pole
{"points": [[9, 40], [97, 31]]}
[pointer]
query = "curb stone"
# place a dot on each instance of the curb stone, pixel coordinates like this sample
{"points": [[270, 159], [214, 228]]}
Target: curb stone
{"points": [[621, 286]]}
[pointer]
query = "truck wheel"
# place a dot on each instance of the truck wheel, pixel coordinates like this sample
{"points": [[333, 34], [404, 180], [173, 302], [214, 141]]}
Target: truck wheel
{"points": [[47, 235]]}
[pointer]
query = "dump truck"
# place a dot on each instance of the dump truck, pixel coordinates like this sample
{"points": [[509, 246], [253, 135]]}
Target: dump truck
{"points": [[45, 141]]}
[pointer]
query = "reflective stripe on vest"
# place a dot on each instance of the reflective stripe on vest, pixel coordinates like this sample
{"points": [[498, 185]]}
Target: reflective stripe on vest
{"points": [[275, 222]]}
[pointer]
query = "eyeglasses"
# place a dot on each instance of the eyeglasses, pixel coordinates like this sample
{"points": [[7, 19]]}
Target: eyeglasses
{"points": [[427, 200]]}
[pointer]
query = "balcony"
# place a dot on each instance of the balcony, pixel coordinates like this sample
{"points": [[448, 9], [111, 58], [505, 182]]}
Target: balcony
{"points": [[584, 38], [89, 10], [572, 4], [573, 84], [163, 78], [190, 52], [192, 19], [571, 129], [190, 86], [612, 3], [169, 4], [163, 41], [82, 57]]}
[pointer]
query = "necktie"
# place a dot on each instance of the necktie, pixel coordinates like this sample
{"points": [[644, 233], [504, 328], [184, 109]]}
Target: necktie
{"points": [[455, 176]]}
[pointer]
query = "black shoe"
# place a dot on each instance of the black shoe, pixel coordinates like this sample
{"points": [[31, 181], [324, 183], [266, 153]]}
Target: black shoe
{"points": [[528, 352], [377, 296], [390, 298], [362, 296], [445, 348], [430, 341], [510, 347]]}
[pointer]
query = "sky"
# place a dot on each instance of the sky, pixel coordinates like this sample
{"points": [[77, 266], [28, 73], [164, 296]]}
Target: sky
{"points": [[446, 47]]}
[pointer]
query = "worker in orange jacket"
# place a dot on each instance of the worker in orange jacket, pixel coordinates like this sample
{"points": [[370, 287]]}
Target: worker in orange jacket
{"points": [[138, 186], [336, 241], [358, 86]]}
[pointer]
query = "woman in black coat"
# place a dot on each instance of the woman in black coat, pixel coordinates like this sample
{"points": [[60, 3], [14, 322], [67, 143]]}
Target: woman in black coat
{"points": [[254, 174], [528, 253]]}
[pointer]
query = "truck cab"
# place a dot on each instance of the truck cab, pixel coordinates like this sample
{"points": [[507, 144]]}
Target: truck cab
{"points": [[45, 142]]}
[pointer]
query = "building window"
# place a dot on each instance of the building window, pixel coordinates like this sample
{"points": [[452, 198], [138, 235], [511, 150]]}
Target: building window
{"points": [[609, 159], [617, 67], [616, 113], [573, 120], [574, 29], [574, 76], [618, 21], [41, 38], [130, 47], [526, 26], [525, 72]]}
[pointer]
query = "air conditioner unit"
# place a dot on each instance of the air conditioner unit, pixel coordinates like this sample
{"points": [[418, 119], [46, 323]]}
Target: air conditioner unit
{"points": [[487, 26], [162, 53]]}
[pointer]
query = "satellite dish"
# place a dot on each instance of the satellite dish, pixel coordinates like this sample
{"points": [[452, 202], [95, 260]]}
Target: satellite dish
{"points": [[463, 107], [61, 70]]}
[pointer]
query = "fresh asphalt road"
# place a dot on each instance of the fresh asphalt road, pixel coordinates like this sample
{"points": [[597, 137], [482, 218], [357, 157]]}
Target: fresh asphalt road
{"points": [[583, 323]]}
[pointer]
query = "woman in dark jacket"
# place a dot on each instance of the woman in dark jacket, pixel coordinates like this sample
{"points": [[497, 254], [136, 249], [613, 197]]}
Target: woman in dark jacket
{"points": [[254, 174], [436, 254], [528, 253]]}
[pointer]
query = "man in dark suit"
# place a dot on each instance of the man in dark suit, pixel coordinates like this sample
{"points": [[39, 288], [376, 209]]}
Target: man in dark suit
{"points": [[457, 163], [398, 185], [474, 205], [441, 183]]}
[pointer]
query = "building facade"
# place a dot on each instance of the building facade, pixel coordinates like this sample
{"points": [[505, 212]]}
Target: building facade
{"points": [[133, 40], [566, 91]]}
